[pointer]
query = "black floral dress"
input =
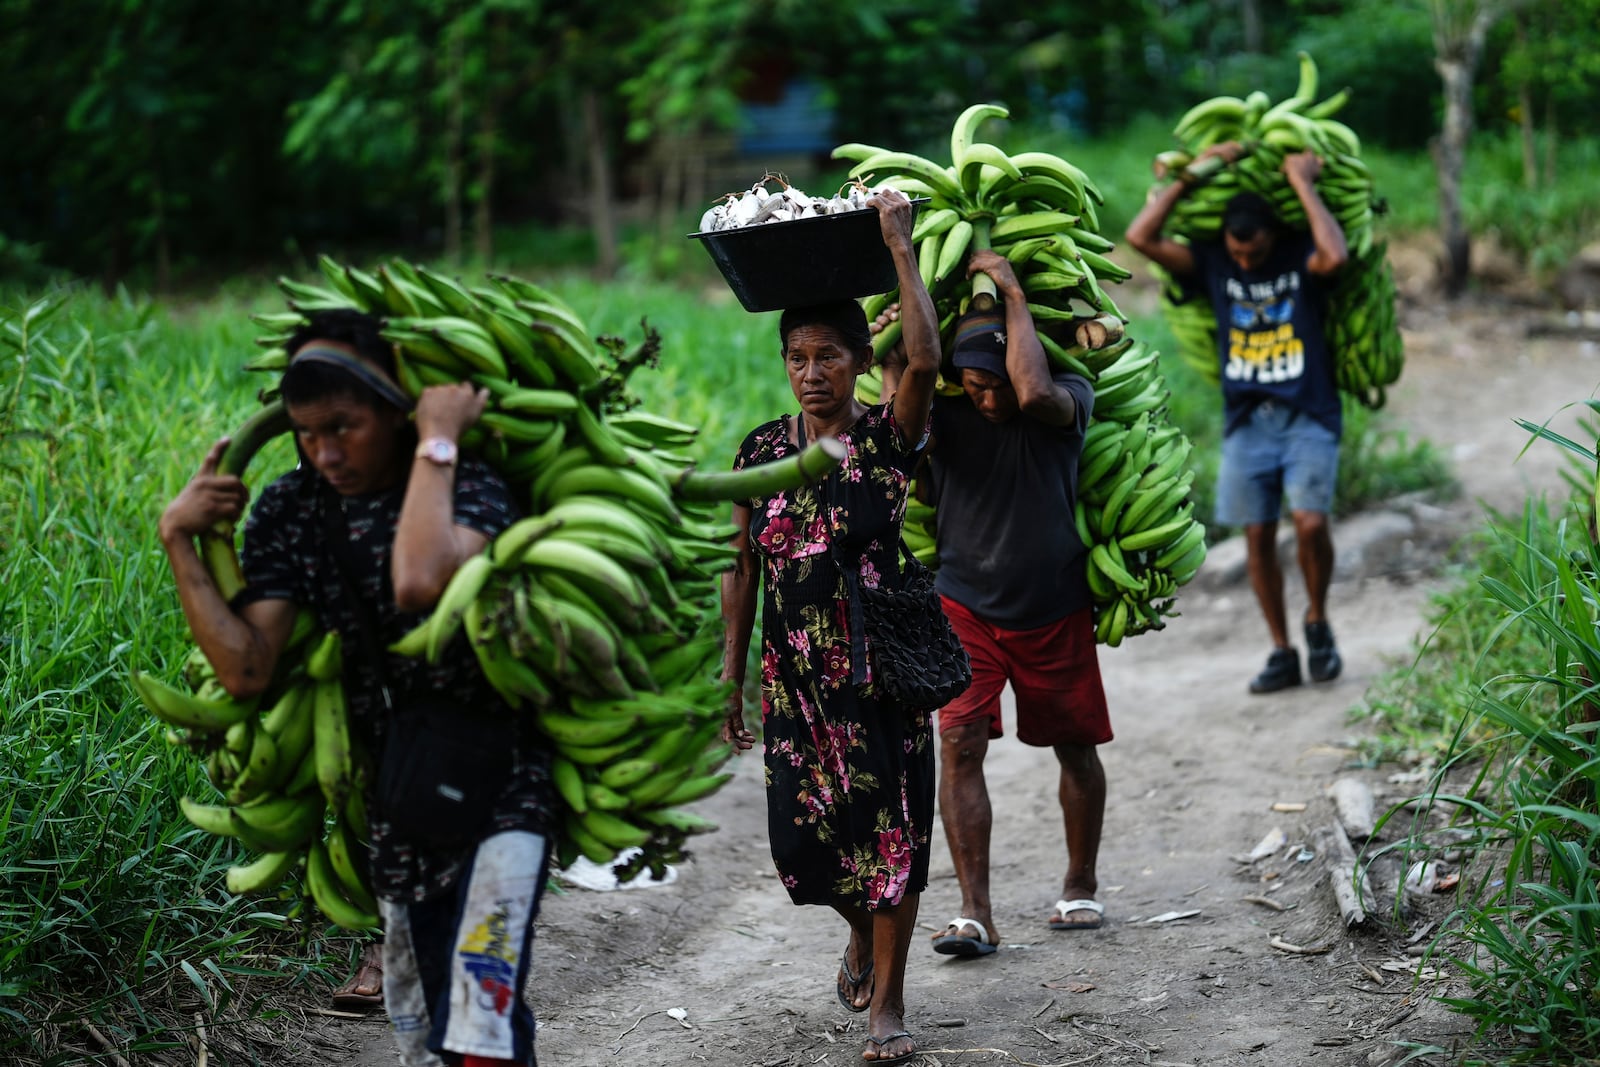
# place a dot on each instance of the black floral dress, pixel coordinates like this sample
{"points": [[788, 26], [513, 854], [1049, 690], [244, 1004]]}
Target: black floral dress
{"points": [[850, 778]]}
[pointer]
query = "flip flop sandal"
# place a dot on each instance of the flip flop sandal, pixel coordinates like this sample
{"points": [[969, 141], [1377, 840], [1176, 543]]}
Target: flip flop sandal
{"points": [[369, 974], [854, 981], [882, 1041], [1058, 918], [955, 944]]}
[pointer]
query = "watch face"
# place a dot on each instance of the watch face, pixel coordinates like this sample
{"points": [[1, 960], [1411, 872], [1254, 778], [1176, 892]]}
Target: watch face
{"points": [[439, 451]]}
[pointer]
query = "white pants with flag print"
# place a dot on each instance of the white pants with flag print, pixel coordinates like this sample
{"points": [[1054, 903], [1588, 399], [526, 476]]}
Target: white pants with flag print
{"points": [[453, 968]]}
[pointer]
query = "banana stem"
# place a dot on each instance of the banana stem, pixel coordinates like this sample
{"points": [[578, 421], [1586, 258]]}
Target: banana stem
{"points": [[814, 464], [1203, 170], [983, 291], [216, 545], [257, 430]]}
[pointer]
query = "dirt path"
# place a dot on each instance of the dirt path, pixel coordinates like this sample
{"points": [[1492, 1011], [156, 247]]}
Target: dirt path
{"points": [[1193, 774]]}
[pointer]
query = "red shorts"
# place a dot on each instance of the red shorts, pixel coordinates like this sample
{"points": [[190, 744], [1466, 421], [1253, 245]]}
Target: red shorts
{"points": [[1053, 672]]}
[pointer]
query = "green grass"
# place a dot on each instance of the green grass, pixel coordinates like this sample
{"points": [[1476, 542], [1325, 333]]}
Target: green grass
{"points": [[113, 902], [1518, 788], [1502, 702]]}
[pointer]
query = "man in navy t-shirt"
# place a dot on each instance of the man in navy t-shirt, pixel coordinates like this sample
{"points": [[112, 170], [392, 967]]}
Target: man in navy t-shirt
{"points": [[1281, 419]]}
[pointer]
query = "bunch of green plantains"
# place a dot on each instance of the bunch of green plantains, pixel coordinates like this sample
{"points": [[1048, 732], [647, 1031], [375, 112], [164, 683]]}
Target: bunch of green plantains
{"points": [[1040, 212], [595, 614], [1362, 332]]}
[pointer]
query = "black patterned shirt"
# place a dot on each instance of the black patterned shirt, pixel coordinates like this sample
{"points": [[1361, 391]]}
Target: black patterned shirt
{"points": [[286, 557]]}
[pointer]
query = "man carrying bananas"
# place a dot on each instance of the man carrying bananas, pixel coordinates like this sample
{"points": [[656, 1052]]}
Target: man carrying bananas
{"points": [[1281, 416], [366, 533], [1002, 471]]}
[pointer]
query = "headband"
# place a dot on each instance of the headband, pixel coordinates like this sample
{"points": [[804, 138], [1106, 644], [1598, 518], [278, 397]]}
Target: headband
{"points": [[359, 369]]}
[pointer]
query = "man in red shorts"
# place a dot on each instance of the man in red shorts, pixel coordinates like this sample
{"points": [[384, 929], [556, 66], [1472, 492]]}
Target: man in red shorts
{"points": [[1003, 472]]}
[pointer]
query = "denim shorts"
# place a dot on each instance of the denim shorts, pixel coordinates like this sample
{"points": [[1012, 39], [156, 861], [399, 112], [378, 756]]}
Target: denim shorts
{"points": [[1277, 451]]}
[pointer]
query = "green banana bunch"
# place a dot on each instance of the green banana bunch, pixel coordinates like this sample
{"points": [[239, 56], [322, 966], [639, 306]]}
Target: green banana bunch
{"points": [[284, 770], [1039, 211], [1035, 208], [1362, 334], [596, 613]]}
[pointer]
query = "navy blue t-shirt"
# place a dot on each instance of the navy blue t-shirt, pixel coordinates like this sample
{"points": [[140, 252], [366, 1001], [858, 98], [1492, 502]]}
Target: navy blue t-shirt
{"points": [[1008, 549], [1270, 337]]}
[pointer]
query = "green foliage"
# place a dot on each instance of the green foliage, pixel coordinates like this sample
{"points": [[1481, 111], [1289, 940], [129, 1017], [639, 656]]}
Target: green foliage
{"points": [[1381, 50], [1526, 927], [1548, 49], [1413, 715], [173, 136], [113, 905]]}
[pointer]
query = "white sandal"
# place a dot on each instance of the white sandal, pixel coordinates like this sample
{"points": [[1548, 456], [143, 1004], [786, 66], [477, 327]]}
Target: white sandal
{"points": [[1058, 920], [955, 944]]}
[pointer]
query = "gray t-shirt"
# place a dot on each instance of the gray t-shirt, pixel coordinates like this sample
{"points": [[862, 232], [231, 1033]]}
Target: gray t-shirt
{"points": [[1008, 549]]}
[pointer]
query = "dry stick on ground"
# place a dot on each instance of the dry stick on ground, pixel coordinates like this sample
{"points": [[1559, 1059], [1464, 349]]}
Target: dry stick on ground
{"points": [[1354, 803], [1266, 902], [200, 1036], [1350, 889], [101, 1040], [1368, 971]]}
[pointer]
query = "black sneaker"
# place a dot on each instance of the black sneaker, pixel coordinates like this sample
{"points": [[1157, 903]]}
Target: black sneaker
{"points": [[1322, 657], [1281, 672]]}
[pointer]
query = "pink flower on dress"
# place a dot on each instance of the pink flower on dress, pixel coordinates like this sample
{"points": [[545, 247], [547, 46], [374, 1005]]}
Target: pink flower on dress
{"points": [[800, 641], [776, 505], [895, 883], [892, 848], [778, 537], [836, 666], [870, 575], [824, 788], [814, 801], [790, 881], [769, 666], [877, 886], [833, 744]]}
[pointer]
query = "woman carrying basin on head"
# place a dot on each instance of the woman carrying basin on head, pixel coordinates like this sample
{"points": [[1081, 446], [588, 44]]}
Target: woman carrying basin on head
{"points": [[850, 775]]}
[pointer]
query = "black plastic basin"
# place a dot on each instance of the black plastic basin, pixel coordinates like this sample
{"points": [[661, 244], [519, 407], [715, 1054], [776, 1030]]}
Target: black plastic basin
{"points": [[775, 265]]}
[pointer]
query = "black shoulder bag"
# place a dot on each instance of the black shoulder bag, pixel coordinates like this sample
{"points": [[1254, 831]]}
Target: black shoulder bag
{"points": [[917, 659], [443, 765]]}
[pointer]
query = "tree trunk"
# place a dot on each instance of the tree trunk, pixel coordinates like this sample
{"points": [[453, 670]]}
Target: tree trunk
{"points": [[1449, 160], [494, 100], [602, 216], [455, 144], [1456, 51], [158, 209], [1250, 19], [1551, 140], [483, 209], [670, 202], [1530, 159]]}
